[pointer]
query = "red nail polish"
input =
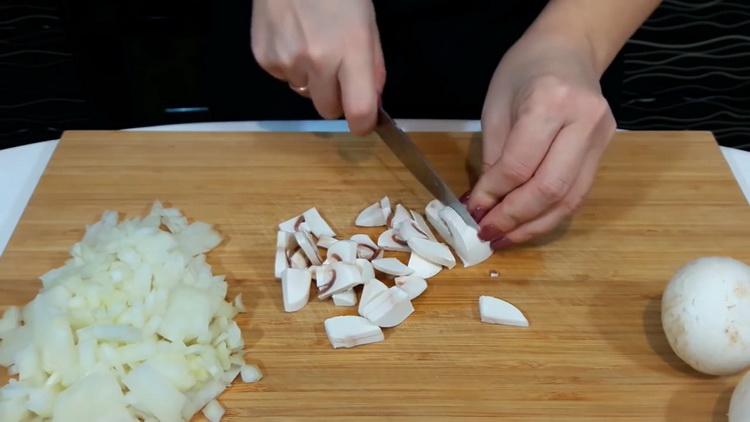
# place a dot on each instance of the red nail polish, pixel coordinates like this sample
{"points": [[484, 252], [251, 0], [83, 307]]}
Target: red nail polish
{"points": [[465, 197], [489, 233], [501, 243], [478, 213]]}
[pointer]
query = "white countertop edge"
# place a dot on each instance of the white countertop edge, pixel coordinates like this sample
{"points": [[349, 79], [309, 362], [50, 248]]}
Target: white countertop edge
{"points": [[21, 167]]}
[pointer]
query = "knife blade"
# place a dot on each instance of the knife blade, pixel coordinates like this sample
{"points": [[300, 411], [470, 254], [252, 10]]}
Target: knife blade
{"points": [[406, 150]]}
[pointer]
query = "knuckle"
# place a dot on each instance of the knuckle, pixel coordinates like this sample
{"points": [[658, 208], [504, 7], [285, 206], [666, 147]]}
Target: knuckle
{"points": [[517, 172], [552, 190]]}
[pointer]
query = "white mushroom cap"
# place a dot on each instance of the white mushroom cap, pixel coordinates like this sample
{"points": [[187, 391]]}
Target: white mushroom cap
{"points": [[366, 269], [466, 242], [401, 214], [408, 229], [432, 211], [370, 291], [739, 405], [343, 251], [366, 248], [308, 246], [345, 298], [326, 241], [422, 224], [705, 312], [339, 277]]}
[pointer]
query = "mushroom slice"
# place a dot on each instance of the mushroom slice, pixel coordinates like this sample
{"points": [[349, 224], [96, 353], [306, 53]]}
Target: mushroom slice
{"points": [[385, 206], [399, 215], [366, 269], [391, 266], [408, 229], [285, 240], [432, 211], [372, 216], [325, 242], [422, 267], [497, 311], [338, 278], [351, 330], [295, 289], [412, 285], [307, 244], [389, 308], [372, 289], [366, 248], [437, 253], [316, 224], [467, 244], [298, 260], [390, 242], [345, 298], [294, 224], [422, 224], [342, 251], [281, 264]]}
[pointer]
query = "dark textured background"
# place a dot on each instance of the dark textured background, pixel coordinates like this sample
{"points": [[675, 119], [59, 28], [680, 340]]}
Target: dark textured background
{"points": [[89, 64]]}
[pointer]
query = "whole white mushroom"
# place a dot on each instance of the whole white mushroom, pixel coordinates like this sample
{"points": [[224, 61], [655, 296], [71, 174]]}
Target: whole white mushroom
{"points": [[705, 313], [739, 405]]}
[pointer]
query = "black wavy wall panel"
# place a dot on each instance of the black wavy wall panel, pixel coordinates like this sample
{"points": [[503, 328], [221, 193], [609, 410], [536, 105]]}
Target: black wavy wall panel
{"points": [[688, 67]]}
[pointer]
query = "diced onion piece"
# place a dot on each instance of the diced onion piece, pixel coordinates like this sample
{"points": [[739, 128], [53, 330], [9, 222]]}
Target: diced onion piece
{"points": [[250, 374], [213, 411]]}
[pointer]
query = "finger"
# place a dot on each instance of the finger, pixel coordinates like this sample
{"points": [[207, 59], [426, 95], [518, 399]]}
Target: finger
{"points": [[549, 221], [358, 92], [496, 124], [325, 92], [378, 63], [549, 185], [526, 145]]}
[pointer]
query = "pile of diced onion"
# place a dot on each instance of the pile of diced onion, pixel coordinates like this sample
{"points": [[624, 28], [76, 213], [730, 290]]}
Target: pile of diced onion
{"points": [[134, 326], [360, 260]]}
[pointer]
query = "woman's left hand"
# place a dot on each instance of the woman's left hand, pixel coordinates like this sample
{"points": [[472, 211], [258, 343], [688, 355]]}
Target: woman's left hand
{"points": [[545, 125]]}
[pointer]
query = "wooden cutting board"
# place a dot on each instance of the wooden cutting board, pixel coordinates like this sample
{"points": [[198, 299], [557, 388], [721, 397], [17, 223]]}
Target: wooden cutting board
{"points": [[594, 351]]}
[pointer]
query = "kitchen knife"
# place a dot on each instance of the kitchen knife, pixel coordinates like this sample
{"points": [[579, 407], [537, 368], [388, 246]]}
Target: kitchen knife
{"points": [[406, 150]]}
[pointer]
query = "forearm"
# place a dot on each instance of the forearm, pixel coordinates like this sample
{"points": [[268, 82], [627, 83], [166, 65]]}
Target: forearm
{"points": [[597, 28]]}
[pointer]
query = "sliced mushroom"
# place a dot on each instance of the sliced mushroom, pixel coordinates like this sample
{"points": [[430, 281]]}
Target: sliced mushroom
{"points": [[366, 248], [298, 260], [345, 298], [281, 263], [339, 277], [432, 211], [351, 331], [422, 224], [391, 266], [408, 229], [295, 289], [372, 289], [385, 205], [285, 240], [307, 244], [294, 224], [422, 267], [401, 214], [389, 309], [342, 251], [437, 253], [412, 285], [366, 269], [316, 224], [390, 242], [497, 311], [465, 242], [325, 242], [372, 216]]}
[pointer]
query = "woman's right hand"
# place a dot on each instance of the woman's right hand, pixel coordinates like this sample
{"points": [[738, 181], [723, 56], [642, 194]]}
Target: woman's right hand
{"points": [[331, 47]]}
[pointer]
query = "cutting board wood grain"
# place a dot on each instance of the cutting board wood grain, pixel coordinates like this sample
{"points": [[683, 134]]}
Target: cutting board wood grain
{"points": [[594, 350]]}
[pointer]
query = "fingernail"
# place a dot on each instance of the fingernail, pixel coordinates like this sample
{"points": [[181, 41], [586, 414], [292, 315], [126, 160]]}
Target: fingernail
{"points": [[465, 197], [489, 233], [501, 243], [478, 213]]}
